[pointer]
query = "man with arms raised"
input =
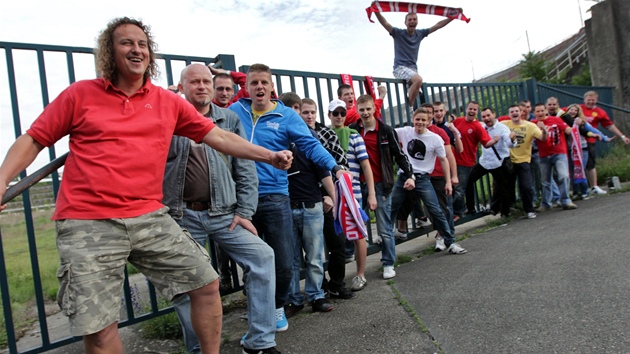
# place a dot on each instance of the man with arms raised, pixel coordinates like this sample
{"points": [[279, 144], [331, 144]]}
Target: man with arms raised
{"points": [[406, 47], [346, 94], [271, 124], [214, 195], [106, 215]]}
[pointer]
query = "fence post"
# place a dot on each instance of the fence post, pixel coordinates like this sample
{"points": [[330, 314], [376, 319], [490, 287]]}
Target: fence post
{"points": [[227, 61], [532, 91]]}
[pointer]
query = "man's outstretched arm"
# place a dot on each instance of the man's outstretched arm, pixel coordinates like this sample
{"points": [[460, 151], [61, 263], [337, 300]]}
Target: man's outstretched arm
{"points": [[439, 25], [384, 22]]}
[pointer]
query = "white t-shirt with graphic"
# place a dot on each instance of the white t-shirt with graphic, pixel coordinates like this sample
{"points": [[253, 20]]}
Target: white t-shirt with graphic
{"points": [[421, 149]]}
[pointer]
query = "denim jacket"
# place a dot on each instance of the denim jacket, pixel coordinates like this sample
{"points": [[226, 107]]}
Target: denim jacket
{"points": [[233, 182]]}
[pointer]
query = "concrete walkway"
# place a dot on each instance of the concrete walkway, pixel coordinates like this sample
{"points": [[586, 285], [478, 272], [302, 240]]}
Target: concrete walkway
{"points": [[557, 283]]}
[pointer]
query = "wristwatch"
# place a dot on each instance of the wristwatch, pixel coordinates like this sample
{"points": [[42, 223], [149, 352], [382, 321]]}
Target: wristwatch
{"points": [[338, 168]]}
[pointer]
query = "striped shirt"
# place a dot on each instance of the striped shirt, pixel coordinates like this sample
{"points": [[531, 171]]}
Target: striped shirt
{"points": [[356, 154]]}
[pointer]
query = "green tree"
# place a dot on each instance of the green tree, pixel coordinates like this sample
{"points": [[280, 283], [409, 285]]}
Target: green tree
{"points": [[533, 66]]}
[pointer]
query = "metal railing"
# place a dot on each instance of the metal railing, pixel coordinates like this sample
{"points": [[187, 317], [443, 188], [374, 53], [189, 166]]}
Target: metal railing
{"points": [[319, 86]]}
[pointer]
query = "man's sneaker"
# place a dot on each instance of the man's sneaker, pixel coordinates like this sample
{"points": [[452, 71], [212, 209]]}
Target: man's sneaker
{"points": [[376, 239], [456, 249], [439, 244], [569, 206], [291, 309], [388, 272], [399, 235], [342, 293], [531, 215], [597, 190], [584, 196], [281, 320], [350, 259], [557, 204], [242, 342], [542, 209], [358, 283], [321, 305], [271, 350], [423, 222]]}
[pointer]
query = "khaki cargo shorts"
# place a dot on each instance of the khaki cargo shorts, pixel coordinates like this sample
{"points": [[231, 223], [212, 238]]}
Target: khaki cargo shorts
{"points": [[94, 254]]}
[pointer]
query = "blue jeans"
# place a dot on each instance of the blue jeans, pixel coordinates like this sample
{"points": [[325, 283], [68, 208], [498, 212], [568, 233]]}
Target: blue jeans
{"points": [[384, 226], [308, 230], [254, 257], [274, 222], [536, 186], [560, 164], [424, 191], [459, 192]]}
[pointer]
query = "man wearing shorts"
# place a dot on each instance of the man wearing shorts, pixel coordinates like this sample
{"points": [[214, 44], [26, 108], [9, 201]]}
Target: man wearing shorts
{"points": [[109, 206], [406, 47]]}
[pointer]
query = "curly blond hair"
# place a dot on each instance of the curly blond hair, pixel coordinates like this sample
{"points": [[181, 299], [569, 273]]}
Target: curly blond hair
{"points": [[104, 51]]}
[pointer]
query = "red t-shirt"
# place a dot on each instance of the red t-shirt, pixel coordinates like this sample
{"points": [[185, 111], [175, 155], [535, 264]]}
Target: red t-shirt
{"points": [[472, 133], [556, 142], [118, 146], [374, 154], [437, 170], [595, 116], [352, 115]]}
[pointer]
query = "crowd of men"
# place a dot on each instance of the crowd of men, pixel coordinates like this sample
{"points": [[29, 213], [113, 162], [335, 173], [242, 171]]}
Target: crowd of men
{"points": [[151, 177]]}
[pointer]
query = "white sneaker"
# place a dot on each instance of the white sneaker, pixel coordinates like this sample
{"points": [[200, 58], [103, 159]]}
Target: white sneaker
{"points": [[399, 235], [423, 223], [376, 239], [531, 215], [439, 244], [456, 249], [388, 272], [598, 190]]}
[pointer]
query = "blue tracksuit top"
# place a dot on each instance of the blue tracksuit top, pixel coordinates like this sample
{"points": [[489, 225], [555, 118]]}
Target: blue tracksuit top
{"points": [[275, 130]]}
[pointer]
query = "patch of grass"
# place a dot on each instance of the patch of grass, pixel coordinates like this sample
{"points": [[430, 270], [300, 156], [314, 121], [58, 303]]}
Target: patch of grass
{"points": [[410, 310], [162, 327], [402, 260], [615, 163]]}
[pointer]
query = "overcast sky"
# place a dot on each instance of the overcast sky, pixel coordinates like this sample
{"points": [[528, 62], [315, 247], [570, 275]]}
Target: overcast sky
{"points": [[322, 36]]}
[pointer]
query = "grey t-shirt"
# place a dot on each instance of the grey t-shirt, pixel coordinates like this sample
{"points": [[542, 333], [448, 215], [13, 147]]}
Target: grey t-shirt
{"points": [[406, 47]]}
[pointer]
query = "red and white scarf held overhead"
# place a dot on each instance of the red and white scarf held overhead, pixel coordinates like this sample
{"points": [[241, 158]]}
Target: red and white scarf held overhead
{"points": [[410, 7]]}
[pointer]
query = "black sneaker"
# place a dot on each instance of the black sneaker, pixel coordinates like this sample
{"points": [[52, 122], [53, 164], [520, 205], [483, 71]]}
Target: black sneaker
{"points": [[342, 293], [291, 309], [321, 305], [271, 350]]}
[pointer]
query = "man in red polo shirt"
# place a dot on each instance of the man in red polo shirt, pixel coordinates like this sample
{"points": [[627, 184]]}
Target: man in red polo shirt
{"points": [[553, 157], [472, 133], [595, 115], [109, 207]]}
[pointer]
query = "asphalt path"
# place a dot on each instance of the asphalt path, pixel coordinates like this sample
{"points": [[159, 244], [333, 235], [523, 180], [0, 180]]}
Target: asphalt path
{"points": [[559, 283]]}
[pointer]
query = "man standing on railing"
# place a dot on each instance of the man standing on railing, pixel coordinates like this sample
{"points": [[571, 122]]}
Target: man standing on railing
{"points": [[406, 48], [214, 195], [109, 208]]}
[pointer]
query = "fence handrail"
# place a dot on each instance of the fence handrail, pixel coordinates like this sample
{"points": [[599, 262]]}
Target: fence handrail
{"points": [[603, 104]]}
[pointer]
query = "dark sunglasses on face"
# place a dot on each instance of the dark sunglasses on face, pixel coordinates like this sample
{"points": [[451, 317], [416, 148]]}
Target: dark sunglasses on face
{"points": [[337, 113]]}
